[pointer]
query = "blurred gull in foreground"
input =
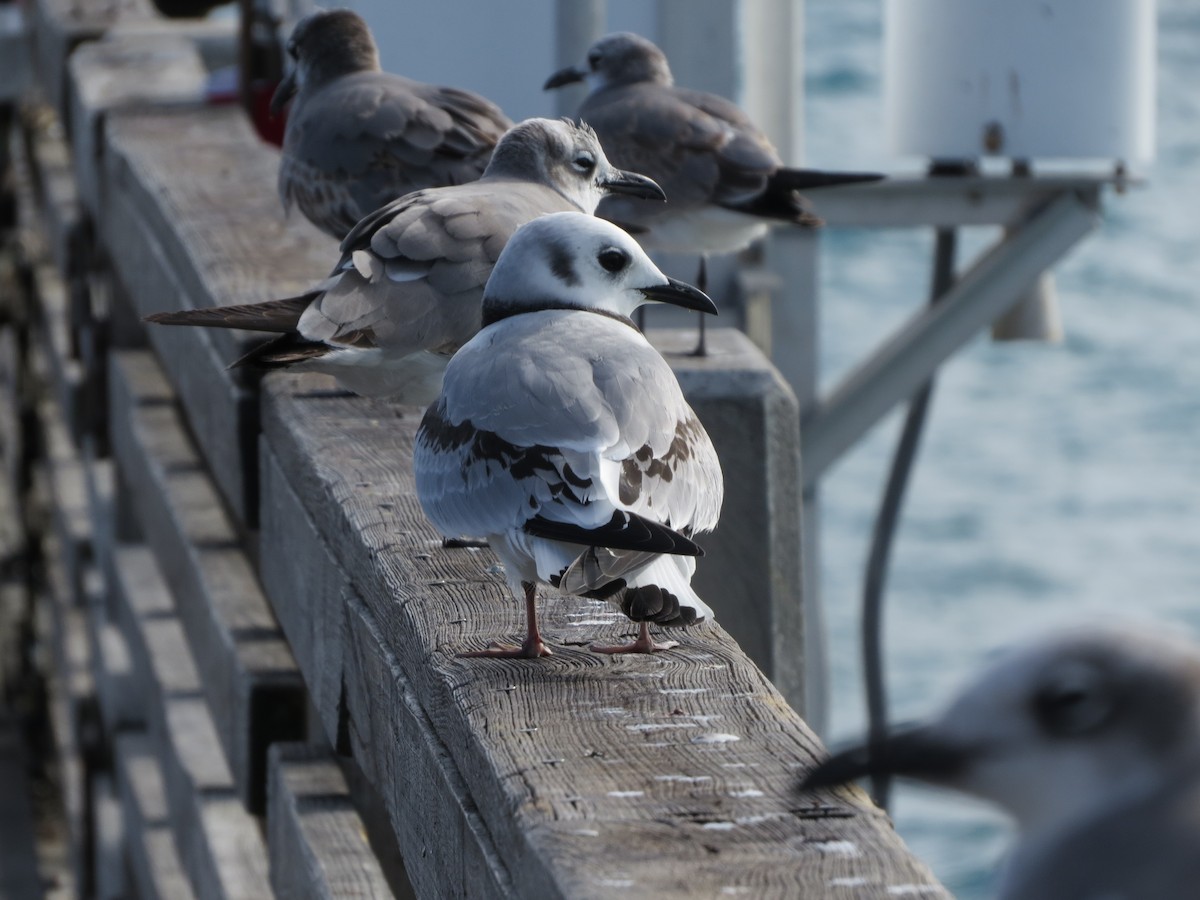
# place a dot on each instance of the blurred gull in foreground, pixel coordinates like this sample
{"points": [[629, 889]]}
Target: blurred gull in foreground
{"points": [[1091, 740], [358, 138], [406, 293], [725, 182], [563, 436]]}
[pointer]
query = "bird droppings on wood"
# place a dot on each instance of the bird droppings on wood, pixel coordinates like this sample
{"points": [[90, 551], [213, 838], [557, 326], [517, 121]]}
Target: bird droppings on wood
{"points": [[715, 738], [840, 848]]}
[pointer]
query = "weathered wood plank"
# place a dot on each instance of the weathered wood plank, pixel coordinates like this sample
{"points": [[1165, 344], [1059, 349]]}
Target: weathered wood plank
{"points": [[98, 480], [59, 26], [194, 222], [250, 679], [219, 843], [317, 592], [63, 372], [316, 840], [118, 691], [751, 574], [573, 776], [124, 71], [53, 190], [19, 876], [109, 862], [154, 864], [67, 490], [61, 625]]}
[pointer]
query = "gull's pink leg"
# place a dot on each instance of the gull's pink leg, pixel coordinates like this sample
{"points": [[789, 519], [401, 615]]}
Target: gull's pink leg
{"points": [[643, 644], [532, 647]]}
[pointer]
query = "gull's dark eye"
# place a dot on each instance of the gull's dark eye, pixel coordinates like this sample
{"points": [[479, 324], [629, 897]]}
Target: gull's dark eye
{"points": [[594, 60], [613, 259], [1072, 702], [584, 162]]}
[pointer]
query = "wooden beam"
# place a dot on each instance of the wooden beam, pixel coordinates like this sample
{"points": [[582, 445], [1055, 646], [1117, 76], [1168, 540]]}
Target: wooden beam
{"points": [[573, 776], [220, 845], [175, 241], [249, 676], [317, 841], [154, 864]]}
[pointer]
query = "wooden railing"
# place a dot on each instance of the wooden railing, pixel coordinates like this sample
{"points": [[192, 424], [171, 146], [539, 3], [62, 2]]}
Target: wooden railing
{"points": [[254, 684]]}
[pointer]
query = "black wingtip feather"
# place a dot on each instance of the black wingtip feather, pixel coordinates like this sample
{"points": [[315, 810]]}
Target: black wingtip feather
{"points": [[281, 352], [624, 531], [279, 316]]}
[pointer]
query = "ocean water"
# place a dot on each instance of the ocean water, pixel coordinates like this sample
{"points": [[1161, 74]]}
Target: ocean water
{"points": [[1056, 483]]}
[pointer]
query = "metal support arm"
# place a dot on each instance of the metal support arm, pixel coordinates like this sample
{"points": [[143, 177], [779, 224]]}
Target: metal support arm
{"points": [[906, 360]]}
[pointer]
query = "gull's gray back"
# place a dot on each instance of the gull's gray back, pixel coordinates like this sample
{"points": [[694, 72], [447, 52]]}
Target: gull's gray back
{"points": [[586, 391], [416, 280]]}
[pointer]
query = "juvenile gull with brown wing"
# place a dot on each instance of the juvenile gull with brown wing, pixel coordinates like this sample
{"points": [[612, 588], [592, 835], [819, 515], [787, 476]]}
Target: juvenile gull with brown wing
{"points": [[725, 182], [358, 137], [406, 293]]}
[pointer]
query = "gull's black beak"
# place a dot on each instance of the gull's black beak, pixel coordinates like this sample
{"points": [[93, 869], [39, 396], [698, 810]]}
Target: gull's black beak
{"points": [[811, 179], [916, 752], [678, 293], [283, 93], [621, 182], [569, 75]]}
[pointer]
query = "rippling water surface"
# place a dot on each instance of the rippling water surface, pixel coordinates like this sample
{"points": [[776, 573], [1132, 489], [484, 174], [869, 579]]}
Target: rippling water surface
{"points": [[1055, 483]]}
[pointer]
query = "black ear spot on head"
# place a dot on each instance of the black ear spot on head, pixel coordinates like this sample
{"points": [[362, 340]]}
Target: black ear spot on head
{"points": [[562, 265], [613, 259]]}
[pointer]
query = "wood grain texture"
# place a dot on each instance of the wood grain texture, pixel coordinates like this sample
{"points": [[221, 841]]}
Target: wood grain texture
{"points": [[249, 676], [59, 26], [154, 865], [220, 846], [751, 574], [316, 840], [194, 222], [126, 71], [572, 776]]}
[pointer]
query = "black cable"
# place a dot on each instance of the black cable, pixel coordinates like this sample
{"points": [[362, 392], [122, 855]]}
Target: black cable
{"points": [[885, 530]]}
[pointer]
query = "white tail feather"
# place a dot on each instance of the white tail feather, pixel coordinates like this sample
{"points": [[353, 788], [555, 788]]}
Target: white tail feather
{"points": [[674, 574]]}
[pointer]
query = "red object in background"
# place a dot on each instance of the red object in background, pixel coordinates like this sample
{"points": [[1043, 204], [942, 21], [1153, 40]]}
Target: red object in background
{"points": [[222, 90], [269, 127]]}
